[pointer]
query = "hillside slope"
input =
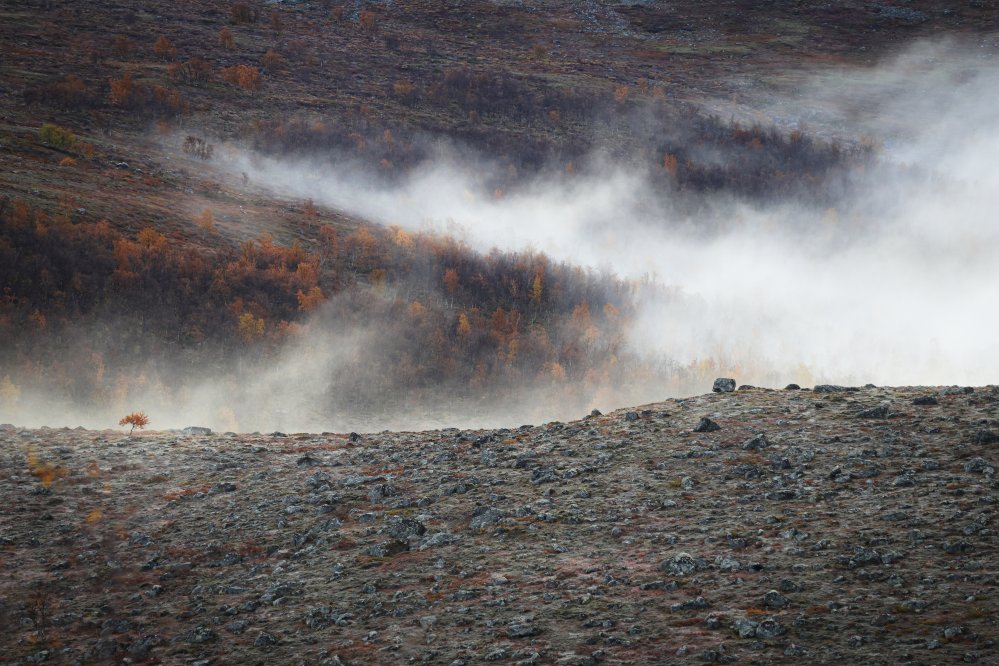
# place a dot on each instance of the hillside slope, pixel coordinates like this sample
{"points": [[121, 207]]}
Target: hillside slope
{"points": [[825, 525]]}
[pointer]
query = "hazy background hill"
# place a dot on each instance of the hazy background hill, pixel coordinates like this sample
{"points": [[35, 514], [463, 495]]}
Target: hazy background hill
{"points": [[350, 215]]}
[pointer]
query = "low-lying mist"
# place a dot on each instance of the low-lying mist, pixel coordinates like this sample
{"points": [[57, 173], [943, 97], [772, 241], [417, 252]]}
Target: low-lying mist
{"points": [[895, 284]]}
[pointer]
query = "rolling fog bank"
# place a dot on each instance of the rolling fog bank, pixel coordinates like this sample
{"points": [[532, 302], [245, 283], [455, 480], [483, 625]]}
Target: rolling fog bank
{"points": [[895, 284]]}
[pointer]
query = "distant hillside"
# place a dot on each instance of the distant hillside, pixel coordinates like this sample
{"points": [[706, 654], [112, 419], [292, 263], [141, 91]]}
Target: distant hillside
{"points": [[128, 259]]}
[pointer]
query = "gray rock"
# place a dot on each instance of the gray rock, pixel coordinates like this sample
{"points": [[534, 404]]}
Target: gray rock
{"points": [[770, 628], [201, 634], [387, 549], [544, 475], [197, 430], [723, 385], [405, 528], [833, 388], [863, 557], [957, 547], [264, 640], [774, 599], [986, 437], [484, 517], [880, 412], [380, 491], [706, 425], [925, 400], [318, 481], [883, 619], [438, 539], [756, 443], [143, 646], [727, 564], [521, 630], [979, 465], [787, 585], [103, 650], [745, 628], [694, 604], [237, 626], [682, 564]]}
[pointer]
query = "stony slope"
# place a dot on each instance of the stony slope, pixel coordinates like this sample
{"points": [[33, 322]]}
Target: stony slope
{"points": [[857, 528]]}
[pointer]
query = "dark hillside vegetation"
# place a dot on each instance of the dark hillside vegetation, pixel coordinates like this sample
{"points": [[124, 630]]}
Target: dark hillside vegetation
{"points": [[453, 318]]}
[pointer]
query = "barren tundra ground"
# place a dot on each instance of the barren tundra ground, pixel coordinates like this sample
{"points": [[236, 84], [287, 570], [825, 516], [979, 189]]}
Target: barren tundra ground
{"points": [[811, 526]]}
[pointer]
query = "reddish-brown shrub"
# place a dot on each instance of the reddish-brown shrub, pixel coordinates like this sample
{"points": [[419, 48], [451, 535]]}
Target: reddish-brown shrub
{"points": [[244, 76], [136, 420]]}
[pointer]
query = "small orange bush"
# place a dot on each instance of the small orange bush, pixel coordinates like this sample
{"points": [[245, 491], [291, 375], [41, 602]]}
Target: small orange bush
{"points": [[136, 420]]}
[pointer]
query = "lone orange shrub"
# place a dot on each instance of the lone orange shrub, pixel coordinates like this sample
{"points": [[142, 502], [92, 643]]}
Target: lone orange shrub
{"points": [[136, 420]]}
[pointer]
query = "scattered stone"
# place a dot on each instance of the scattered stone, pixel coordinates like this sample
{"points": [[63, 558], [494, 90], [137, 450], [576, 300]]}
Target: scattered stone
{"points": [[979, 465], [833, 388], [770, 628], [756, 443], [543, 475], [406, 528], [682, 564], [880, 412], [789, 586], [706, 425], [983, 437], [521, 630], [863, 557], [774, 599], [237, 626], [694, 604], [484, 517], [307, 461], [794, 650], [831, 507], [439, 539], [883, 619], [723, 385], [925, 400]]}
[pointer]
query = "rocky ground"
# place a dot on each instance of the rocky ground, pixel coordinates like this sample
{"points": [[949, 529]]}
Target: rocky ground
{"points": [[849, 525]]}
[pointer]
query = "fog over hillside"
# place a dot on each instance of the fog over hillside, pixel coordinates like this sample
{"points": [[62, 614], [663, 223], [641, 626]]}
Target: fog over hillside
{"points": [[894, 285]]}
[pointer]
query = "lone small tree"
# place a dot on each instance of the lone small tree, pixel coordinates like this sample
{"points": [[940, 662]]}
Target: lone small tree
{"points": [[136, 420]]}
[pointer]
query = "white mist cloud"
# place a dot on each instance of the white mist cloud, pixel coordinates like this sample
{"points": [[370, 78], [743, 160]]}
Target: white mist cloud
{"points": [[896, 286]]}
